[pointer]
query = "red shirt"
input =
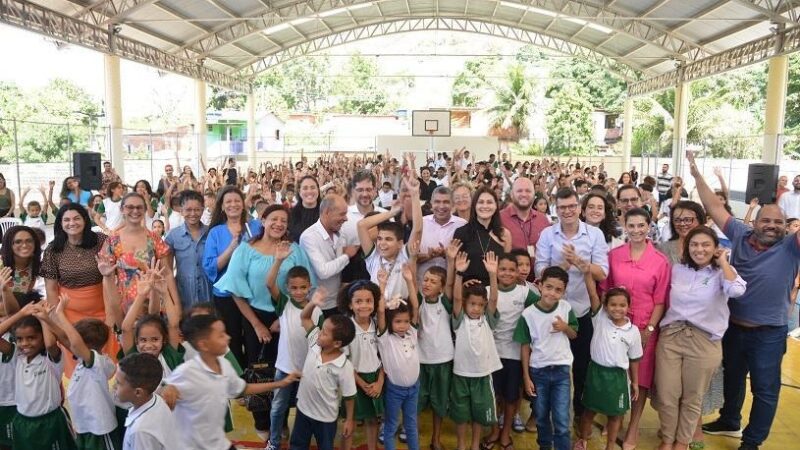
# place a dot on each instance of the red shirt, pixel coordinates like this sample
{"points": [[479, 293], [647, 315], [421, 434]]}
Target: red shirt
{"points": [[523, 232]]}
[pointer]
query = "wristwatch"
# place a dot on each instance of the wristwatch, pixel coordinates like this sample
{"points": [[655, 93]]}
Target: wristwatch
{"points": [[651, 328]]}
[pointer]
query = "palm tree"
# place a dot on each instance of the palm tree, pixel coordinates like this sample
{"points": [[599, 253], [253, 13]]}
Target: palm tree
{"points": [[513, 105]]}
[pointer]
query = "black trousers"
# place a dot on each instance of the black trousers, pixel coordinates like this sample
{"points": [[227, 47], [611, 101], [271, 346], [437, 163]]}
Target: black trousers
{"points": [[256, 352], [581, 357], [232, 317]]}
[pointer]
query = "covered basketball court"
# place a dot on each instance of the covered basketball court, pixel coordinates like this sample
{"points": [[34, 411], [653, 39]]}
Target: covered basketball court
{"points": [[652, 44]]}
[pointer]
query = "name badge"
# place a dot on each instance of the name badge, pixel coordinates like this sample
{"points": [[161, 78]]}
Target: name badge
{"points": [[532, 251]]}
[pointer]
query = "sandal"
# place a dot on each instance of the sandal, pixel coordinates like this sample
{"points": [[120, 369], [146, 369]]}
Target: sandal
{"points": [[489, 445], [697, 445], [507, 446]]}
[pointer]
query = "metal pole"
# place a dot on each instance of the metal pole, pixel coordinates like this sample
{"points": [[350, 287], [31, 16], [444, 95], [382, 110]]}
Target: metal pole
{"points": [[16, 150], [150, 134]]}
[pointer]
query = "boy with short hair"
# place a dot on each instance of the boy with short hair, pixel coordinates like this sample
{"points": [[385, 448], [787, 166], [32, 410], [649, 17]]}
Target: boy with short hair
{"points": [[207, 382], [544, 330], [387, 195], [150, 424], [328, 378]]}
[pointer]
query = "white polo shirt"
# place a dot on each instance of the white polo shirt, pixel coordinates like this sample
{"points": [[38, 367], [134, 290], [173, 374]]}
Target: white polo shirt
{"points": [[89, 397], [363, 351], [8, 371], [292, 345], [200, 410], [510, 305], [535, 328], [435, 336], [349, 231], [150, 427], [396, 284], [612, 345], [324, 385], [400, 357], [475, 355], [38, 384]]}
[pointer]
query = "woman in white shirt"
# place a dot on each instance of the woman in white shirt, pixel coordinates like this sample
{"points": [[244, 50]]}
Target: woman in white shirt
{"points": [[689, 348]]}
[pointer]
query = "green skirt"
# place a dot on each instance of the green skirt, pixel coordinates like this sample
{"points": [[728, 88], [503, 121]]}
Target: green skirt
{"points": [[606, 390], [7, 414], [366, 407], [48, 432]]}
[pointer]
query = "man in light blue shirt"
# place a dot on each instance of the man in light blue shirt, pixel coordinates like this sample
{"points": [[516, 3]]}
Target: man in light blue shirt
{"points": [[187, 243], [563, 244]]}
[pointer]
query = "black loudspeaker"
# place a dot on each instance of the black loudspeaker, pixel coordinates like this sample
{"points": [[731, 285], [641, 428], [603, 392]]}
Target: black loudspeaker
{"points": [[762, 182], [88, 167]]}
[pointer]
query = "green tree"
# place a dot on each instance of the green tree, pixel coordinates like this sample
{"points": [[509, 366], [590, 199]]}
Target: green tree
{"points": [[222, 98], [606, 91], [358, 89], [303, 84], [514, 104], [569, 122], [472, 81]]}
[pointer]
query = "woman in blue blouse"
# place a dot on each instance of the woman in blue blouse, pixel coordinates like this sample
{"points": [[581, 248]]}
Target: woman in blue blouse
{"points": [[246, 280], [229, 227]]}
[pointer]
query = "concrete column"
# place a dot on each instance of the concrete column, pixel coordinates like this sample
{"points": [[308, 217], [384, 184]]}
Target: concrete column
{"points": [[679, 128], [113, 104], [775, 109], [200, 129], [627, 134], [251, 130]]}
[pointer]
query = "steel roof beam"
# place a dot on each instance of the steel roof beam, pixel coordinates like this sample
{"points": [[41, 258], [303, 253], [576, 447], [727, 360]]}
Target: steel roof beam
{"points": [[774, 9]]}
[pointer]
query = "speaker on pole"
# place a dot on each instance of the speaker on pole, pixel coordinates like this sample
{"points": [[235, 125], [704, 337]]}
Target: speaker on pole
{"points": [[762, 182], [87, 166]]}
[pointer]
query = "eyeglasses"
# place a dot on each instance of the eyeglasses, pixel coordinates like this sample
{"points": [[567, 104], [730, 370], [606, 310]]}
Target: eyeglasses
{"points": [[629, 201], [572, 207], [134, 207], [683, 220], [22, 242]]}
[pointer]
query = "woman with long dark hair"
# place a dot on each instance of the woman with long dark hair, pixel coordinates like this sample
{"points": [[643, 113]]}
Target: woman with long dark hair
{"points": [[71, 189], [69, 267], [245, 281], [22, 257], [597, 211], [684, 217], [306, 212], [143, 188], [229, 227], [483, 233]]}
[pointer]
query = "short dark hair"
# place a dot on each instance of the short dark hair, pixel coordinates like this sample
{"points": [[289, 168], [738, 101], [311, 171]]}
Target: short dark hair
{"points": [[343, 329], [565, 193], [188, 195], [638, 212], [555, 272], [198, 327], [477, 290], [626, 187], [517, 252], [617, 292], [142, 370], [156, 321], [439, 272], [687, 205], [362, 175], [94, 332], [202, 306], [29, 322], [393, 227], [507, 257], [686, 257], [298, 272]]}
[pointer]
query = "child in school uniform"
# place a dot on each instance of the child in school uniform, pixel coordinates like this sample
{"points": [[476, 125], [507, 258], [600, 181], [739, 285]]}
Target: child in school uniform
{"points": [[327, 380], [40, 422], [524, 266], [150, 424], [399, 349], [358, 301], [292, 347], [90, 402], [475, 315], [544, 330], [7, 403], [512, 299], [612, 379], [206, 383]]}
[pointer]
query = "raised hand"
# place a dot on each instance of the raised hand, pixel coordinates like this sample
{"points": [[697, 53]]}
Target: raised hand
{"points": [[718, 172], [490, 262], [754, 202], [105, 264], [413, 248], [6, 279], [318, 298], [383, 276], [692, 165], [721, 255], [462, 262], [408, 272], [283, 250], [452, 249]]}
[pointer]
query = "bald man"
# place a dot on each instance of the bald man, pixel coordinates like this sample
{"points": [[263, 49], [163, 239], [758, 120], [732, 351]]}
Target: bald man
{"points": [[524, 222], [326, 250]]}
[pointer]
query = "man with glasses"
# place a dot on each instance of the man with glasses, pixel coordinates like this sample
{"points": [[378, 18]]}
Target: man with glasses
{"points": [[755, 341], [630, 197], [188, 242], [363, 191], [566, 244]]}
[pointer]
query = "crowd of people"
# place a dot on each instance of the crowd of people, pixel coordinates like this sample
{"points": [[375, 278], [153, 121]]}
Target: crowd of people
{"points": [[362, 290]]}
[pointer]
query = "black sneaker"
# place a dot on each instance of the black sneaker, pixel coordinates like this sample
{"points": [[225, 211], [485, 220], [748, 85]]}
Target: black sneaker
{"points": [[748, 447], [717, 428]]}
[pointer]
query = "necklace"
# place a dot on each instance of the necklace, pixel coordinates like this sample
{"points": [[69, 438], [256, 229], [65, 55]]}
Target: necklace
{"points": [[480, 242]]}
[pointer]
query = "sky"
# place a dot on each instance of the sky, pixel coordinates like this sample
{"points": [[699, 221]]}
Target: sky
{"points": [[433, 57]]}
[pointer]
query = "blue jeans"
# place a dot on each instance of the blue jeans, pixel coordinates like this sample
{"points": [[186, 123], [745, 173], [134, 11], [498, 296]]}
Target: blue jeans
{"points": [[305, 427], [552, 385], [397, 399], [281, 401], [760, 351]]}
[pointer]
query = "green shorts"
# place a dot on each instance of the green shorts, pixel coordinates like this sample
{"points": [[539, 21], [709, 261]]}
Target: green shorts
{"points": [[7, 414], [48, 432], [472, 400], [366, 407], [89, 441], [434, 387], [606, 390]]}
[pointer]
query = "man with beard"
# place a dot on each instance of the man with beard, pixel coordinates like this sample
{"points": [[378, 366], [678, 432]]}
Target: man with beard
{"points": [[790, 201], [437, 231], [363, 189], [756, 339], [524, 222]]}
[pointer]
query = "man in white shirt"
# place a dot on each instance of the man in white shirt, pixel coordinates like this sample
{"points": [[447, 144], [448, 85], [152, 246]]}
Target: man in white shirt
{"points": [[362, 191], [327, 250], [790, 201]]}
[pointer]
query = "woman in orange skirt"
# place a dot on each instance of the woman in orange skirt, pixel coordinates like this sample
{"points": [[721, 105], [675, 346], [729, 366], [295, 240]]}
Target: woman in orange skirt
{"points": [[69, 267]]}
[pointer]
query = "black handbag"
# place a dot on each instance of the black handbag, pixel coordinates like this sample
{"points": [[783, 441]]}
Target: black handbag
{"points": [[260, 371]]}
